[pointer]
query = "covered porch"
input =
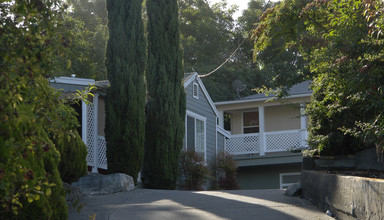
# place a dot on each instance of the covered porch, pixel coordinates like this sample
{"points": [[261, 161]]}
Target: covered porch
{"points": [[268, 130]]}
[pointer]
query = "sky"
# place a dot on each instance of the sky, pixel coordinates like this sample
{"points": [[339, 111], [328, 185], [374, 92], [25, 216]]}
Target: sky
{"points": [[243, 4]]}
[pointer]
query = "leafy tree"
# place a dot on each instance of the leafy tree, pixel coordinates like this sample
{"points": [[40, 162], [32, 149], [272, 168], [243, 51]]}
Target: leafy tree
{"points": [[209, 36], [341, 43], [125, 101], [166, 98], [31, 112], [86, 21]]}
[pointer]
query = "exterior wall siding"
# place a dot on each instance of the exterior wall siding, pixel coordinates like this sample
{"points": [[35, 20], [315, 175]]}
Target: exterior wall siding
{"points": [[264, 177], [202, 107], [101, 116], [220, 142], [277, 118], [284, 117]]}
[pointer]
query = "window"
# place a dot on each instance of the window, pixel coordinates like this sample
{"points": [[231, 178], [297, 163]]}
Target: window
{"points": [[196, 90], [195, 133], [250, 122], [227, 121]]}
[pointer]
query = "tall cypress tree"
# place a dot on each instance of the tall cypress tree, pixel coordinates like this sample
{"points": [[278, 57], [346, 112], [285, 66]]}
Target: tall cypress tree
{"points": [[166, 102], [125, 101]]}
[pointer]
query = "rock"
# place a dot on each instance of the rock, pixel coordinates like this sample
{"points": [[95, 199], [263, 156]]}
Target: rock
{"points": [[97, 184], [73, 195], [294, 190]]}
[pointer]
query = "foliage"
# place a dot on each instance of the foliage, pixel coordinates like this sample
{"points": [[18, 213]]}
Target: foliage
{"points": [[125, 100], [226, 172], [73, 153], [86, 21], [209, 35], [165, 110], [193, 171], [30, 184], [341, 44]]}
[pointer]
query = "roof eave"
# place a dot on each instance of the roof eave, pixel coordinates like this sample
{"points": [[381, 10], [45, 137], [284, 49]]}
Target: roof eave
{"points": [[259, 99]]}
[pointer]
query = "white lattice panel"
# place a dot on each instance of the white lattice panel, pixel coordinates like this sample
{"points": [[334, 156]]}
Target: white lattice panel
{"points": [[282, 141], [243, 144], [102, 152], [90, 135]]}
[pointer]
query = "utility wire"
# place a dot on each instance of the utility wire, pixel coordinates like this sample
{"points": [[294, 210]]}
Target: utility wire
{"points": [[241, 44]]}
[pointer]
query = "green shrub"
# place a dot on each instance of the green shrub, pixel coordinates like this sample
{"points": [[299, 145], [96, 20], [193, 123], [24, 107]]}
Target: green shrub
{"points": [[226, 172], [193, 171], [30, 186], [73, 151], [31, 42]]}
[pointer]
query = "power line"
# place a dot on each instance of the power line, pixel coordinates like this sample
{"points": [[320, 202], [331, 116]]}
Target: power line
{"points": [[241, 44]]}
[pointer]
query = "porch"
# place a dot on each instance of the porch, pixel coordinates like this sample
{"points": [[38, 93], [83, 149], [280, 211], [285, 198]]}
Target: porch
{"points": [[277, 147], [265, 142]]}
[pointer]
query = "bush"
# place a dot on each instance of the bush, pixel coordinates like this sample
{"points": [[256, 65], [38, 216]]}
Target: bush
{"points": [[73, 151], [193, 171], [226, 172]]}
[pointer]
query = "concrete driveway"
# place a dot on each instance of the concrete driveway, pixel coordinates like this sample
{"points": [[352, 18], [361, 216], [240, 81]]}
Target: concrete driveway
{"points": [[169, 205]]}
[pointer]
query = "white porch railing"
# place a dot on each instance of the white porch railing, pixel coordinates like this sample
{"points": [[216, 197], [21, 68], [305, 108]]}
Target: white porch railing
{"points": [[243, 144], [96, 145], [102, 152], [277, 141]]}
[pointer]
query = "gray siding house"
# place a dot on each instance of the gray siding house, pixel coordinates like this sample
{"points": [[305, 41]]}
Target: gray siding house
{"points": [[202, 133], [201, 129]]}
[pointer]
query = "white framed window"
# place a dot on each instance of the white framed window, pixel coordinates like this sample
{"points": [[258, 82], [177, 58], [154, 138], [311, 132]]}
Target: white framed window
{"points": [[287, 179], [195, 133], [250, 122], [195, 91]]}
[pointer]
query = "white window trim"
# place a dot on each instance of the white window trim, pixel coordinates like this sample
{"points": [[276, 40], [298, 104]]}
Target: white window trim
{"points": [[282, 185], [201, 118], [197, 90]]}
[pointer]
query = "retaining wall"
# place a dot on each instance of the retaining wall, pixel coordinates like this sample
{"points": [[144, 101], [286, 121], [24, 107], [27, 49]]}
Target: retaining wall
{"points": [[347, 197]]}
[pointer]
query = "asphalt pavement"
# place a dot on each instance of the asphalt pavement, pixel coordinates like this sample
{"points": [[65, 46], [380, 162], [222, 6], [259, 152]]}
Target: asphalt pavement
{"points": [[175, 205]]}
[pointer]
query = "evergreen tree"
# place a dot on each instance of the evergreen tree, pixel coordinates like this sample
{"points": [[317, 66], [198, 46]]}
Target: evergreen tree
{"points": [[166, 101], [125, 101]]}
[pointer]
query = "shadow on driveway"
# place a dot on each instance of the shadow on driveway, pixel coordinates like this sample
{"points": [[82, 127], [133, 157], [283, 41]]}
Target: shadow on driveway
{"points": [[167, 204]]}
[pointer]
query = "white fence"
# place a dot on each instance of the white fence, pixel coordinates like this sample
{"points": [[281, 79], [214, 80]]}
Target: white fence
{"points": [[267, 142]]}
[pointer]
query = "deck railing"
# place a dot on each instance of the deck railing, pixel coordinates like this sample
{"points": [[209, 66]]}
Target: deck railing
{"points": [[267, 142]]}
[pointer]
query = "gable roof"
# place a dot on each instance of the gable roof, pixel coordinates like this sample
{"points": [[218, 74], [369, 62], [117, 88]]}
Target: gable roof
{"points": [[189, 78], [299, 90]]}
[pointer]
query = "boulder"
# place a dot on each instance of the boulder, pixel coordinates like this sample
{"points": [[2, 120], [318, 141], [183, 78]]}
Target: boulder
{"points": [[97, 184], [294, 190]]}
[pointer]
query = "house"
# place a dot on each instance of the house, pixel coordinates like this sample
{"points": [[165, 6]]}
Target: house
{"points": [[258, 131], [262, 134], [201, 120], [202, 133], [91, 117]]}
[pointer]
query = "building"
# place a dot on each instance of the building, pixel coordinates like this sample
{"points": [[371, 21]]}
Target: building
{"points": [[261, 133], [264, 135], [201, 130]]}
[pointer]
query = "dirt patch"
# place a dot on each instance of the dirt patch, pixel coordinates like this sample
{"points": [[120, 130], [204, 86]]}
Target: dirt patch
{"points": [[353, 172]]}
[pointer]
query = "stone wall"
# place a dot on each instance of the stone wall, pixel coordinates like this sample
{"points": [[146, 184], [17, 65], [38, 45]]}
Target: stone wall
{"points": [[347, 197], [363, 160]]}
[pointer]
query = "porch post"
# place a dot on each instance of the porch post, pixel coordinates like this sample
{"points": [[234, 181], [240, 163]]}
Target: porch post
{"points": [[84, 109], [303, 125], [95, 128], [262, 131], [221, 119]]}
